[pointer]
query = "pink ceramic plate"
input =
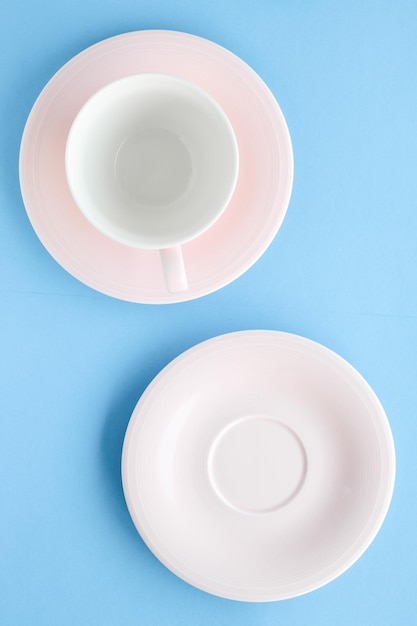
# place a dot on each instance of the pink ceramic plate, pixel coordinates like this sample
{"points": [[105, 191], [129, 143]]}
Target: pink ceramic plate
{"points": [[258, 465], [254, 214]]}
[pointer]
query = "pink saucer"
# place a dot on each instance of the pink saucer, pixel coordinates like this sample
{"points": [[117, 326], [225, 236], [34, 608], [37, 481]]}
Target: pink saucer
{"points": [[253, 216], [258, 466]]}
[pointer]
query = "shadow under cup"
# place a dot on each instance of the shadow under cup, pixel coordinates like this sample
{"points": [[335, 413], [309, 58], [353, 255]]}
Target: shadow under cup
{"points": [[152, 162]]}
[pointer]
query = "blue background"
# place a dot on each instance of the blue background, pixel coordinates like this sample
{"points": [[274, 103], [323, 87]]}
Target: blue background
{"points": [[342, 271]]}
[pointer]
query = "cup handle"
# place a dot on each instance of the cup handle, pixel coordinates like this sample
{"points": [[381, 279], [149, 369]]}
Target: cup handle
{"points": [[173, 268]]}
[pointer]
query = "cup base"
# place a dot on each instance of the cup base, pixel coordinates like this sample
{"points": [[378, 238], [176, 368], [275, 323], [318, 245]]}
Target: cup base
{"points": [[153, 167]]}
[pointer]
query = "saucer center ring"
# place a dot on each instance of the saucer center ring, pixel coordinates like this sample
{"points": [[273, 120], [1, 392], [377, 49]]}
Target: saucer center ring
{"points": [[257, 464]]}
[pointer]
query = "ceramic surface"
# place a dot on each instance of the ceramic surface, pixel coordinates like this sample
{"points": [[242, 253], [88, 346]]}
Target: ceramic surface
{"points": [[151, 161], [258, 466], [245, 229]]}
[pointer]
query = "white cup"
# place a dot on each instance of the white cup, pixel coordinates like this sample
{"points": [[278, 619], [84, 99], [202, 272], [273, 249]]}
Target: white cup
{"points": [[152, 162]]}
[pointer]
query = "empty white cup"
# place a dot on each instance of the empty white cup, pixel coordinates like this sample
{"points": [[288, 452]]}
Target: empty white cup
{"points": [[152, 162]]}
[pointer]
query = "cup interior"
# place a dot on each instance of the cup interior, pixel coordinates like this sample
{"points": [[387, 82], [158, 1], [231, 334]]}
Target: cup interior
{"points": [[151, 160]]}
